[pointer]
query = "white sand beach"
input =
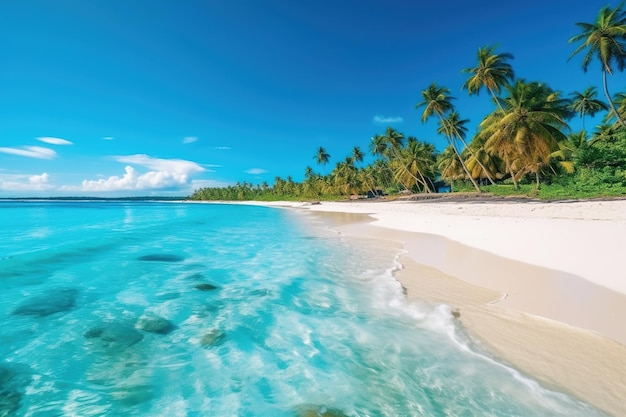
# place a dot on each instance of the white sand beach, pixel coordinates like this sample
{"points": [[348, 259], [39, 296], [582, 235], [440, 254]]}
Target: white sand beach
{"points": [[540, 285]]}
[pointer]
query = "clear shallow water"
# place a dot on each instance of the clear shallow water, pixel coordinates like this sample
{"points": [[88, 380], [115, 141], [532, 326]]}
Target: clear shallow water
{"points": [[169, 309]]}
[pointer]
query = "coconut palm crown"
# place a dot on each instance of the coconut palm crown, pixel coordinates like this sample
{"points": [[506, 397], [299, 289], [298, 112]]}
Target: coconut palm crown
{"points": [[604, 39], [492, 72]]}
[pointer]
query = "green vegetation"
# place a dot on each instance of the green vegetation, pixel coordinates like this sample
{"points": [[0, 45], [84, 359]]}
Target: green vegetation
{"points": [[524, 147]]}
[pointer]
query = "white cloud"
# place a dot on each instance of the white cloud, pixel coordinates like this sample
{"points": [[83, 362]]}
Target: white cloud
{"points": [[39, 179], [31, 152], [165, 173], [190, 139], [25, 182], [223, 148], [55, 141], [255, 171], [383, 120], [108, 138]]}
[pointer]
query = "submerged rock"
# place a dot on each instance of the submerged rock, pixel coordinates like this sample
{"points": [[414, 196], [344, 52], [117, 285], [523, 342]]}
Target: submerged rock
{"points": [[53, 301], [213, 338], [161, 257], [114, 336], [204, 286], [310, 410], [154, 324], [14, 378]]}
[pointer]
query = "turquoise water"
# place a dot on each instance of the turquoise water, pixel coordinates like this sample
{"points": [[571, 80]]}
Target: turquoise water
{"points": [[174, 309]]}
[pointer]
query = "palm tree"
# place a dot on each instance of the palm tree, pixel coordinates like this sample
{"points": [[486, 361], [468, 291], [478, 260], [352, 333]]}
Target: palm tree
{"points": [[454, 127], [492, 72], [619, 99], [357, 154], [345, 177], [586, 103], [321, 156], [417, 161], [394, 143], [449, 165], [605, 39], [378, 147], [603, 133], [529, 129], [437, 101]]}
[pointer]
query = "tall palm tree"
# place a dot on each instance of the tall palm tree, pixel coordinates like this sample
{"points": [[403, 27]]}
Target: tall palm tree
{"points": [[321, 156], [437, 102], [586, 103], [529, 129], [605, 39], [492, 72]]}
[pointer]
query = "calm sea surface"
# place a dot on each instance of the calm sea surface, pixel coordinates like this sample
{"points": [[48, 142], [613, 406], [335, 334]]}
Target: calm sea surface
{"points": [[174, 309]]}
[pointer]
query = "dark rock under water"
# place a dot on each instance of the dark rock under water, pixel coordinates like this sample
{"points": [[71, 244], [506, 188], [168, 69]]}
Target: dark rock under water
{"points": [[161, 257], [14, 378], [114, 335], [152, 323], [50, 302], [214, 337], [205, 286]]}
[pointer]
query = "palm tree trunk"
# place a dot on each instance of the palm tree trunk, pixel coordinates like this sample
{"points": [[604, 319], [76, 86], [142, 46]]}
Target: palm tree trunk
{"points": [[509, 167], [426, 187], [537, 178], [478, 160], [608, 96], [495, 98], [409, 172], [582, 116], [451, 142], [463, 165]]}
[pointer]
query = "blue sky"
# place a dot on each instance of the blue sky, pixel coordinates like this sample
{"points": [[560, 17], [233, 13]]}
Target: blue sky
{"points": [[160, 97]]}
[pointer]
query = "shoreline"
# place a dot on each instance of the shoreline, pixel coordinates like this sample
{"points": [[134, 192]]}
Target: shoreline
{"points": [[561, 328]]}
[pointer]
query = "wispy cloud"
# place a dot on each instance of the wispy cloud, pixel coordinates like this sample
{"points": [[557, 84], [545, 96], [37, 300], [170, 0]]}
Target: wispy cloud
{"points": [[108, 138], [31, 152], [164, 174], [223, 148], [190, 139], [378, 119], [255, 171], [54, 141]]}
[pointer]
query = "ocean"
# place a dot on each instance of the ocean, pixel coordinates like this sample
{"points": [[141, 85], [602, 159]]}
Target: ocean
{"points": [[182, 309]]}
